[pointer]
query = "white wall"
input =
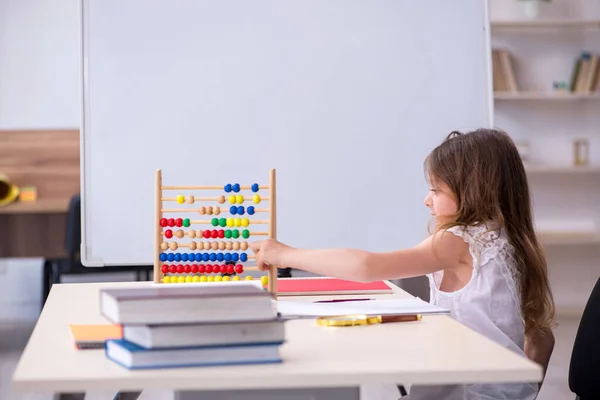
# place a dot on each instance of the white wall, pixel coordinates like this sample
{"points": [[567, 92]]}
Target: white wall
{"points": [[39, 88], [541, 57]]}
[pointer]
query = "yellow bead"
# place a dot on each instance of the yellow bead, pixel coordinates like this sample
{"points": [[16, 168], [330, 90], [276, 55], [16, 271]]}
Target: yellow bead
{"points": [[230, 222], [218, 278], [196, 278], [167, 279], [245, 222], [236, 278], [264, 280], [203, 278], [180, 199], [248, 278], [226, 278], [239, 198], [188, 279], [232, 199], [237, 222], [181, 279], [210, 278], [256, 199]]}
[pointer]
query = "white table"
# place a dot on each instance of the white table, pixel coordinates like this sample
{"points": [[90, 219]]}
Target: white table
{"points": [[436, 350]]}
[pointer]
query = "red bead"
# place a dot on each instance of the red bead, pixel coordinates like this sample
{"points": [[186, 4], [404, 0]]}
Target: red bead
{"points": [[168, 234], [230, 269], [180, 269], [194, 269], [214, 234], [239, 268], [165, 269], [188, 269], [221, 233], [209, 269], [179, 222], [171, 222], [172, 269], [201, 268], [223, 269], [163, 222], [206, 234]]}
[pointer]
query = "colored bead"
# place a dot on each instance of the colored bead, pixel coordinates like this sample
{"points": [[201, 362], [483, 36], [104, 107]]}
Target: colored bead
{"points": [[226, 278], [199, 233], [245, 233], [256, 199], [181, 279], [217, 210], [170, 257], [173, 245], [228, 234], [221, 199], [206, 234], [248, 278], [222, 245], [196, 278], [209, 210], [179, 233], [163, 222], [251, 210], [194, 269], [167, 279], [227, 188], [192, 245], [190, 199], [229, 222], [201, 268], [210, 279], [223, 269], [197, 257], [203, 278], [184, 257], [208, 269], [188, 279], [180, 199], [206, 245], [173, 269], [254, 187], [213, 257], [232, 199], [163, 257], [177, 256], [171, 222], [191, 234], [233, 210], [235, 234], [223, 222], [187, 269], [264, 280], [239, 268], [214, 234], [239, 199], [186, 222], [243, 257], [236, 278], [230, 269], [221, 233], [237, 222], [218, 278], [164, 269], [215, 222], [236, 246], [240, 210], [220, 257], [245, 222], [202, 210], [168, 234], [236, 187], [205, 257], [244, 245], [228, 257], [180, 269], [235, 257]]}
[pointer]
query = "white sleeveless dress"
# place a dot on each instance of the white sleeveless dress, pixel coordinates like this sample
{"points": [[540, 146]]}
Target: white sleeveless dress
{"points": [[488, 304]]}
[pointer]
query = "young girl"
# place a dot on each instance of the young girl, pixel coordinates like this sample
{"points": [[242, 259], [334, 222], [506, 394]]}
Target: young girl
{"points": [[483, 260]]}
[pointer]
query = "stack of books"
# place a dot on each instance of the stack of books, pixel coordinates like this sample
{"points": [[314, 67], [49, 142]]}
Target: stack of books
{"points": [[178, 326]]}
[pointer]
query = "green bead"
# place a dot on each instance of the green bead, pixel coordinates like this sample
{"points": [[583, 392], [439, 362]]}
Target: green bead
{"points": [[236, 234], [186, 222], [228, 234], [223, 222], [215, 222], [245, 233]]}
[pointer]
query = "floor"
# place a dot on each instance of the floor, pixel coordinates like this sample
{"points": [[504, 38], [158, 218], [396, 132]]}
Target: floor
{"points": [[14, 335]]}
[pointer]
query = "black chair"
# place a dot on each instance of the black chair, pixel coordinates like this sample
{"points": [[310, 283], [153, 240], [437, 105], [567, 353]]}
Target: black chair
{"points": [[54, 269], [584, 370]]}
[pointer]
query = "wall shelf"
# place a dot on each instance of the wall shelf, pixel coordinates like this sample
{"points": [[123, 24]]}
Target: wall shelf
{"points": [[547, 23], [541, 96]]}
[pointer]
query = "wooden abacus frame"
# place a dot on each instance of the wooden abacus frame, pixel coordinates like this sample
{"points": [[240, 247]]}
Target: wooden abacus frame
{"points": [[159, 210]]}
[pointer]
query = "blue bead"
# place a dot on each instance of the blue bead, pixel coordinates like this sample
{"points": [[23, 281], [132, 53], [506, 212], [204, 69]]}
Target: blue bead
{"points": [[184, 257], [236, 187], [171, 257], [228, 257], [243, 257], [205, 257], [198, 256], [240, 210], [220, 257], [191, 256], [177, 256], [213, 257], [251, 210], [233, 210], [227, 188], [235, 257], [255, 187], [163, 257]]}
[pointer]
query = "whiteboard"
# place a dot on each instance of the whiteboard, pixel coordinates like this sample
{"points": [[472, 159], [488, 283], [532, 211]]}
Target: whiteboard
{"points": [[344, 98]]}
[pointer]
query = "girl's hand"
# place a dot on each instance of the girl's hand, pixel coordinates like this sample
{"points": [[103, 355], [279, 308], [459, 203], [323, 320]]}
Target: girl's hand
{"points": [[269, 253]]}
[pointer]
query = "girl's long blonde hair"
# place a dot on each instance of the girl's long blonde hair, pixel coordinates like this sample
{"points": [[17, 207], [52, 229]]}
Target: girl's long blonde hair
{"points": [[484, 171]]}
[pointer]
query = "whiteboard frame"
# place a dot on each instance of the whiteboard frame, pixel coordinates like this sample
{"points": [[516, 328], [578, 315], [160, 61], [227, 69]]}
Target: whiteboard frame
{"points": [[85, 251]]}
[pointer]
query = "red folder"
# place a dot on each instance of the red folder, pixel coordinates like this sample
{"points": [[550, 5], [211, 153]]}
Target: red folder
{"points": [[323, 285]]}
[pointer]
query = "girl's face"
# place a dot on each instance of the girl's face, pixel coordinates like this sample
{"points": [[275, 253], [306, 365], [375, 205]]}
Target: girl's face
{"points": [[440, 201]]}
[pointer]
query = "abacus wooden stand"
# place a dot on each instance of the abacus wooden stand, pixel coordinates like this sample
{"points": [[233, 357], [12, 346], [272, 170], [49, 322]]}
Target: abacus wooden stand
{"points": [[160, 214]]}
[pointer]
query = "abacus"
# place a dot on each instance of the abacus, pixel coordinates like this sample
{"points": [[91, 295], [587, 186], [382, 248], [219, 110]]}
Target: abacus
{"points": [[218, 253]]}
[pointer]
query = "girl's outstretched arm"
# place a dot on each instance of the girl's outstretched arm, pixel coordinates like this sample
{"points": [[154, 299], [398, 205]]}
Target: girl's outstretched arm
{"points": [[437, 252]]}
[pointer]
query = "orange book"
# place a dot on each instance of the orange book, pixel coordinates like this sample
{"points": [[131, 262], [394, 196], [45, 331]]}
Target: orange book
{"points": [[94, 336]]}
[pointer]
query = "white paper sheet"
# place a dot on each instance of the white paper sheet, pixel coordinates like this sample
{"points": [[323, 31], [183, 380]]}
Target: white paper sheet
{"points": [[369, 307]]}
